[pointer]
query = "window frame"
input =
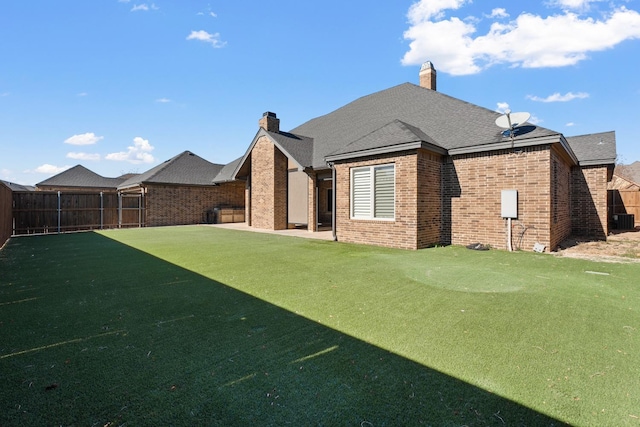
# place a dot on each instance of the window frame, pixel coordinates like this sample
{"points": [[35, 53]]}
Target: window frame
{"points": [[372, 192]]}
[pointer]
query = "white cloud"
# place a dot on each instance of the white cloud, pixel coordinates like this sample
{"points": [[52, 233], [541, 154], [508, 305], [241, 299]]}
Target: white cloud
{"points": [[529, 41], [48, 169], [502, 107], [499, 12], [139, 152], [83, 156], [570, 124], [212, 39], [89, 138], [81, 94], [535, 120], [163, 100], [557, 97], [425, 10], [144, 7]]}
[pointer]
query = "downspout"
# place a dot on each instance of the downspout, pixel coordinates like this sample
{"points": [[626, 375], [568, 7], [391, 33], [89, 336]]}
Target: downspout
{"points": [[333, 202]]}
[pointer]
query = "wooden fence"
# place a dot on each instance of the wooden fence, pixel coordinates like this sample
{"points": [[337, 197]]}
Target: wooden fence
{"points": [[6, 219], [625, 202], [56, 212]]}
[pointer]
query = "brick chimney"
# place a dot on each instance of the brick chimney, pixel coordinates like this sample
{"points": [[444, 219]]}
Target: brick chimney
{"points": [[269, 122], [428, 76]]}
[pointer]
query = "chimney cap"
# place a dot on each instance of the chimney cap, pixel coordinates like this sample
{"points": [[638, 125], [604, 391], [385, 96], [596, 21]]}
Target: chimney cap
{"points": [[427, 66], [269, 114]]}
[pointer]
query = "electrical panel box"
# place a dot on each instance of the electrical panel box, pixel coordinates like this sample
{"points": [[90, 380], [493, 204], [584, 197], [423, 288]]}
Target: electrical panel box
{"points": [[509, 204]]}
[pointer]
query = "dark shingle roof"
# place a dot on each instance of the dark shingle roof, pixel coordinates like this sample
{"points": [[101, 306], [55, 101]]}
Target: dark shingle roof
{"points": [[449, 122], [226, 173], [17, 187], [396, 135], [186, 168], [79, 176], [595, 148]]}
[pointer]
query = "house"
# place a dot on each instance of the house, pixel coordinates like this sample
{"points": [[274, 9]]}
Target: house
{"points": [[176, 192], [410, 167], [181, 191], [18, 187], [79, 178]]}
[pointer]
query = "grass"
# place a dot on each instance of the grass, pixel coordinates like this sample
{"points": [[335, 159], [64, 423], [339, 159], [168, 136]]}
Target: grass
{"points": [[203, 326]]}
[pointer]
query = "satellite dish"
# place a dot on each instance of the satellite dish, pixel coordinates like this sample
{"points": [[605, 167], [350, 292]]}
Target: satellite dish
{"points": [[510, 122]]}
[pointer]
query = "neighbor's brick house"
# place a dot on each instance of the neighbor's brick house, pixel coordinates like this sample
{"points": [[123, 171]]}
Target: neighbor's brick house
{"points": [[409, 167], [178, 191]]}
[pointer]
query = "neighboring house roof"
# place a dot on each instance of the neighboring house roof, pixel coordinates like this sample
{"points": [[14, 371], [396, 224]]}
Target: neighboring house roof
{"points": [[621, 183], [17, 187], [631, 171], [186, 168], [79, 176], [452, 124], [595, 148]]}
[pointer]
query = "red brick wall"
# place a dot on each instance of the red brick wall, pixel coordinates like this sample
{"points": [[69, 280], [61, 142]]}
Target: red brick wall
{"points": [[268, 186], [473, 197], [179, 205], [560, 199], [6, 213], [413, 169], [589, 201], [429, 198]]}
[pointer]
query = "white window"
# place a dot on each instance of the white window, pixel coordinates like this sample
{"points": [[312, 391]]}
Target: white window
{"points": [[373, 192]]}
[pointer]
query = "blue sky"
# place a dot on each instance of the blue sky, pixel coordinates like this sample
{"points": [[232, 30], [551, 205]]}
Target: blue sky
{"points": [[120, 86]]}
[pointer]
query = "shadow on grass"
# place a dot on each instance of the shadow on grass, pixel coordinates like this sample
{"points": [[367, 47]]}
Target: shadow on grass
{"points": [[94, 332]]}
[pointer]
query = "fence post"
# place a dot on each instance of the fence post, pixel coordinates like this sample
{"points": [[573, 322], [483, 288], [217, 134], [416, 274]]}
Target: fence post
{"points": [[119, 209], [59, 212], [101, 212]]}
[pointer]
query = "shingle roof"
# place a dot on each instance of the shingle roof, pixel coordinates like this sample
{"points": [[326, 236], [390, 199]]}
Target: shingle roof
{"points": [[226, 173], [396, 135], [186, 168], [595, 148], [79, 176], [449, 122], [17, 187]]}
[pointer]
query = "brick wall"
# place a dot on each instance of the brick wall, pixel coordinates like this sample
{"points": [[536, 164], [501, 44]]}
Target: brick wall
{"points": [[560, 199], [589, 201], [268, 186], [429, 198], [179, 205], [472, 197], [416, 221], [6, 214]]}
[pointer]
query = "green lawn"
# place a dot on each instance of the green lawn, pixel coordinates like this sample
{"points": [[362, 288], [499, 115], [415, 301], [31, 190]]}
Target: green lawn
{"points": [[204, 326]]}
